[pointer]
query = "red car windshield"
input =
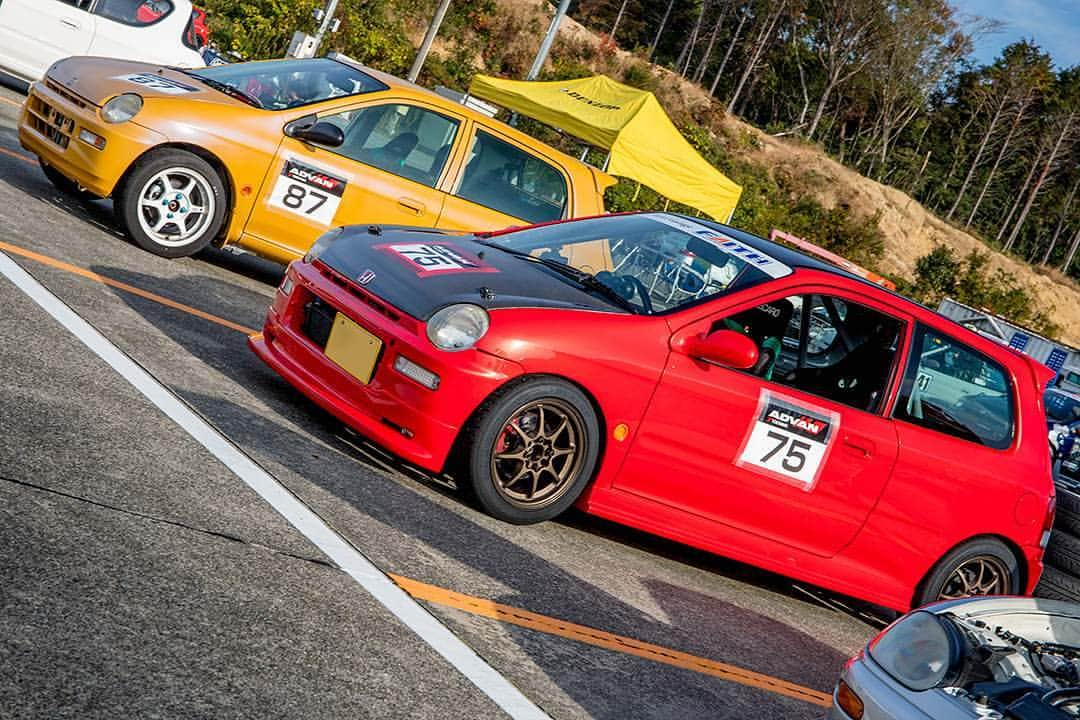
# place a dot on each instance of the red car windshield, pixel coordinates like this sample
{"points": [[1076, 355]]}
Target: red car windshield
{"points": [[655, 261]]}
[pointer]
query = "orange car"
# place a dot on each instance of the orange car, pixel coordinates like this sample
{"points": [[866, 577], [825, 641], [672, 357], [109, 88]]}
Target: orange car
{"points": [[268, 155]]}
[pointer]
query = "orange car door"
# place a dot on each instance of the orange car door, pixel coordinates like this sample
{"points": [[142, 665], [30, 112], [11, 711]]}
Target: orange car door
{"points": [[502, 184], [387, 171]]}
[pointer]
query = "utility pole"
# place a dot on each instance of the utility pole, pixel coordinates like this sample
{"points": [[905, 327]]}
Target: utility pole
{"points": [[429, 37], [545, 47], [325, 25]]}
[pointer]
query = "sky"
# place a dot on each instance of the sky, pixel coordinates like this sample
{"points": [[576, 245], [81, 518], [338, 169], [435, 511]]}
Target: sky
{"points": [[1054, 24]]}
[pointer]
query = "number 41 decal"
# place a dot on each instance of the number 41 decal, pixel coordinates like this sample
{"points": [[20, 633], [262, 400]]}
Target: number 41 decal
{"points": [[789, 440]]}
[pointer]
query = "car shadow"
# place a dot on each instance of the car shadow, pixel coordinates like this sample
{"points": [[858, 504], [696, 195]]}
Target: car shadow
{"points": [[426, 508], [99, 213], [14, 83], [692, 622]]}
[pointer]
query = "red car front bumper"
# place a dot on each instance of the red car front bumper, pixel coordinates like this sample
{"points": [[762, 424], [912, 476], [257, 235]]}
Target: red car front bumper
{"points": [[412, 421]]}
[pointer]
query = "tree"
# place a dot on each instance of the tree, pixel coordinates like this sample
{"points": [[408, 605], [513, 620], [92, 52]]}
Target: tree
{"points": [[1063, 130], [774, 10], [1025, 71], [923, 45], [744, 15], [699, 74], [1004, 88], [844, 33]]}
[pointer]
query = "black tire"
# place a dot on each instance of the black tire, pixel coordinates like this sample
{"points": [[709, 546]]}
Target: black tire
{"points": [[144, 179], [1056, 585], [63, 183], [1063, 553], [988, 550], [489, 427], [1067, 517]]}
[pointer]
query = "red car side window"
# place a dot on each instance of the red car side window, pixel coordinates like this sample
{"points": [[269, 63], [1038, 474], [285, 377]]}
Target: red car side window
{"points": [[953, 389], [833, 348]]}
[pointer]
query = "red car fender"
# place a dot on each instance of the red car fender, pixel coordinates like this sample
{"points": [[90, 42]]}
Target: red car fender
{"points": [[615, 358]]}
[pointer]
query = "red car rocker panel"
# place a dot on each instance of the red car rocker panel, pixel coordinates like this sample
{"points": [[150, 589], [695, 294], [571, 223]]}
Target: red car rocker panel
{"points": [[690, 380]]}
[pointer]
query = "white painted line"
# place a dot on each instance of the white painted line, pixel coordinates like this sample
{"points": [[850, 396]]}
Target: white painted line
{"points": [[347, 557]]}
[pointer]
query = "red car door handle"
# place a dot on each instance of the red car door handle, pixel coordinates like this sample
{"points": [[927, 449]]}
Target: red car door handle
{"points": [[861, 445]]}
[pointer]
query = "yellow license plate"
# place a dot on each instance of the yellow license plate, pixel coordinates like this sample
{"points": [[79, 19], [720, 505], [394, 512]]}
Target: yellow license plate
{"points": [[353, 348]]}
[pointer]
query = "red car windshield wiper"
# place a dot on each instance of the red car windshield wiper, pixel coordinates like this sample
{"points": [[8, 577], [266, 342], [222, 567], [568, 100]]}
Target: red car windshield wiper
{"points": [[585, 279]]}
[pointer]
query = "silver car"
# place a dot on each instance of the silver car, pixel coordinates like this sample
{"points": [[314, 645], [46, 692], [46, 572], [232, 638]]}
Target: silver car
{"points": [[996, 658]]}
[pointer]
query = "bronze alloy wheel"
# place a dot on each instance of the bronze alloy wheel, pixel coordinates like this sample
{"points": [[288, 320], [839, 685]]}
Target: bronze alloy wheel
{"points": [[980, 575], [538, 454]]}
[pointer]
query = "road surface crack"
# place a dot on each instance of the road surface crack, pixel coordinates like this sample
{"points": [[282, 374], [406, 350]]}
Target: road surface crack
{"points": [[172, 523]]}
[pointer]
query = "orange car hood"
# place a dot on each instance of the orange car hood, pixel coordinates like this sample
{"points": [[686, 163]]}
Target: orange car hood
{"points": [[98, 79]]}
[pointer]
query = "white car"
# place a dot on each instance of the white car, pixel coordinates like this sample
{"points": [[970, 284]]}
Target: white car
{"points": [[36, 33], [981, 658]]}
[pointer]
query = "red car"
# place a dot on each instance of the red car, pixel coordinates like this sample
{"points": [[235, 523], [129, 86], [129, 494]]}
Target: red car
{"points": [[690, 380]]}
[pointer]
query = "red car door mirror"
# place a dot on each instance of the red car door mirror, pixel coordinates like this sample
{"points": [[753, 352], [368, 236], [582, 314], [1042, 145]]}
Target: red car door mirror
{"points": [[723, 347]]}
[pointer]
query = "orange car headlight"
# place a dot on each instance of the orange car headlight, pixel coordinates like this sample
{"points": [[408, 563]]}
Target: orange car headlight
{"points": [[121, 108]]}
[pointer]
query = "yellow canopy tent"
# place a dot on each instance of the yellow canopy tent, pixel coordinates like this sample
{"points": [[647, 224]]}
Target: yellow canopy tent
{"points": [[644, 144]]}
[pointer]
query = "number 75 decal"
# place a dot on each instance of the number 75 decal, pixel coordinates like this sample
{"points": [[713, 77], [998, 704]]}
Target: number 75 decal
{"points": [[789, 440]]}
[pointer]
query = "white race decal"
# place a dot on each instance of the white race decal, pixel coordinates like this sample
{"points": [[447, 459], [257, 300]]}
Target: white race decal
{"points": [[789, 440], [159, 83], [435, 258], [762, 261], [308, 192]]}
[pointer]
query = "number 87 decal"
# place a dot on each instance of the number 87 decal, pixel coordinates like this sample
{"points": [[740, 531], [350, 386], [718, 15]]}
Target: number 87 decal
{"points": [[789, 440], [295, 195]]}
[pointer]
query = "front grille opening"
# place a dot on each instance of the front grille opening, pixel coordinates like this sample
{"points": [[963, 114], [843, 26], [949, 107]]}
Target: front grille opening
{"points": [[71, 97], [365, 297], [318, 321], [50, 122]]}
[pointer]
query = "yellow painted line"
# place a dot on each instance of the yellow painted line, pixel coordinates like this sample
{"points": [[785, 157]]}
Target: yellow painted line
{"points": [[90, 275], [9, 101], [18, 156], [609, 641], [487, 608]]}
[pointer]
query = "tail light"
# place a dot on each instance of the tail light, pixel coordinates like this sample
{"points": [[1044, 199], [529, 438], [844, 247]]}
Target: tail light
{"points": [[848, 701], [1048, 522]]}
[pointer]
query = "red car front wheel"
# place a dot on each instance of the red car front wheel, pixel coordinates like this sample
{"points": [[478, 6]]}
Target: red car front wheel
{"points": [[532, 451]]}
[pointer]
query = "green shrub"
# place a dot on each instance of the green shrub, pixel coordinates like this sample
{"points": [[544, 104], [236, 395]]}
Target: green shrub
{"points": [[261, 29], [940, 274]]}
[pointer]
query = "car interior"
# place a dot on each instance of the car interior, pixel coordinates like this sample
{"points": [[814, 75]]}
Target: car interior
{"points": [[501, 177], [837, 349]]}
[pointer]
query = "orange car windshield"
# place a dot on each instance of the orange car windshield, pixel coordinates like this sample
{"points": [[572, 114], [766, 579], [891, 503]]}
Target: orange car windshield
{"points": [[285, 84]]}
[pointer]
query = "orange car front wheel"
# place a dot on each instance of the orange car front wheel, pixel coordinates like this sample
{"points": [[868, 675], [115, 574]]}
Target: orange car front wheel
{"points": [[173, 203]]}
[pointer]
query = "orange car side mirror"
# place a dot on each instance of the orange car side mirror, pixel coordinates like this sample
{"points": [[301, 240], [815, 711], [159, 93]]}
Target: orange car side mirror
{"points": [[320, 133], [723, 347]]}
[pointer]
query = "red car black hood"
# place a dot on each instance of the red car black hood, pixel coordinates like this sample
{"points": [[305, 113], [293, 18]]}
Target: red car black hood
{"points": [[420, 271]]}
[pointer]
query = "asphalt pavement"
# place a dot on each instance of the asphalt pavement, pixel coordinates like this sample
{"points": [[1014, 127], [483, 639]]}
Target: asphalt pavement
{"points": [[140, 577]]}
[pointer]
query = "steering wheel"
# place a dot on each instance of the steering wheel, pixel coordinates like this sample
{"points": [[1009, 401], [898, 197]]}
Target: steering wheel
{"points": [[642, 293], [627, 286]]}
